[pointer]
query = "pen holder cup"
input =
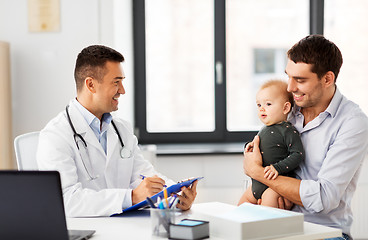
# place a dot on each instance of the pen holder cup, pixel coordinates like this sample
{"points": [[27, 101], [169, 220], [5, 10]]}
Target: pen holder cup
{"points": [[161, 220]]}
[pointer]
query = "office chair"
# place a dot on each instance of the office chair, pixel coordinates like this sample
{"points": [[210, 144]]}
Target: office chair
{"points": [[25, 147]]}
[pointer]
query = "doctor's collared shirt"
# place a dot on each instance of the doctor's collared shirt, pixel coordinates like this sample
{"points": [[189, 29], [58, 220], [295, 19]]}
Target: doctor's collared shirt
{"points": [[101, 135], [335, 144], [94, 123]]}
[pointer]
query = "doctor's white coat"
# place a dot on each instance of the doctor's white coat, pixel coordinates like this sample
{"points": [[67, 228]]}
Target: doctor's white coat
{"points": [[102, 184]]}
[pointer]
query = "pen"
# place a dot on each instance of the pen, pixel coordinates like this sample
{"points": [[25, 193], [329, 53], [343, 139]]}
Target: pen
{"points": [[150, 202], [165, 195], [173, 200], [161, 205], [143, 177], [173, 205]]}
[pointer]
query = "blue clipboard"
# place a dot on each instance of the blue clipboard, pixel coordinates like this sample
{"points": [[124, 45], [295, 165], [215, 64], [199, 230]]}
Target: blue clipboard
{"points": [[172, 189]]}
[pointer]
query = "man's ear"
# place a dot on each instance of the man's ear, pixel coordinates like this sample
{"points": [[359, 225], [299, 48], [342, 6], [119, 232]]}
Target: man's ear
{"points": [[287, 108], [329, 79], [90, 84]]}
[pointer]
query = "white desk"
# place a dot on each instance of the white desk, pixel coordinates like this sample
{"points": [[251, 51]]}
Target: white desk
{"points": [[139, 227]]}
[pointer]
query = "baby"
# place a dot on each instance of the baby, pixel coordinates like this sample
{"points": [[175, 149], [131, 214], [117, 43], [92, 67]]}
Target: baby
{"points": [[280, 144]]}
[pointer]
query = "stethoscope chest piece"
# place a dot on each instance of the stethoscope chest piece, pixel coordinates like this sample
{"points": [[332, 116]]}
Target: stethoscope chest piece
{"points": [[125, 152]]}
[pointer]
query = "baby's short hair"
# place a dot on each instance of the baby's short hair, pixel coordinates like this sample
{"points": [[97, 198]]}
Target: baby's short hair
{"points": [[282, 87]]}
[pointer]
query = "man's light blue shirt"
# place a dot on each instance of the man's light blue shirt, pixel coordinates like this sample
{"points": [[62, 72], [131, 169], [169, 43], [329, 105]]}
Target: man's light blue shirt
{"points": [[95, 123], [335, 144]]}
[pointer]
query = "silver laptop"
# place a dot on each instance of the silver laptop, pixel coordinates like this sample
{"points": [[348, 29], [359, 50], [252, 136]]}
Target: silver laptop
{"points": [[32, 207]]}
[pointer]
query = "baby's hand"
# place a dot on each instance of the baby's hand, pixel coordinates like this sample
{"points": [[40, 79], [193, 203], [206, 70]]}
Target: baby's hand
{"points": [[270, 172]]}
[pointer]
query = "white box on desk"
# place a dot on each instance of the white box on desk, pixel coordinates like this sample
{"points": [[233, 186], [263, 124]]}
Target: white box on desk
{"points": [[248, 221]]}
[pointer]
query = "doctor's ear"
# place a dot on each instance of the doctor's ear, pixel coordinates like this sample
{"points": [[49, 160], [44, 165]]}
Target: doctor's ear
{"points": [[90, 84]]}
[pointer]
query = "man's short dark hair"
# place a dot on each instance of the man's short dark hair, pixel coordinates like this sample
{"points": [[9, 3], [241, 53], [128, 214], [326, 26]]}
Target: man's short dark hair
{"points": [[323, 54], [91, 63]]}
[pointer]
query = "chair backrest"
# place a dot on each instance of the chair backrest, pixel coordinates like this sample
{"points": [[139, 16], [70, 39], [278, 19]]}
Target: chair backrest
{"points": [[25, 147]]}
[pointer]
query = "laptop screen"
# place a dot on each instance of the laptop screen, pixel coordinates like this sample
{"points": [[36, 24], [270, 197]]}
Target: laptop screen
{"points": [[31, 206]]}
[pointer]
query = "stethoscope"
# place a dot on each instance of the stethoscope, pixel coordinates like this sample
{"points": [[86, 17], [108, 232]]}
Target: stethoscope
{"points": [[124, 153]]}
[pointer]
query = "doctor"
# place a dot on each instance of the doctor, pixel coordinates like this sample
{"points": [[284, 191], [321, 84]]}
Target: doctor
{"points": [[98, 157]]}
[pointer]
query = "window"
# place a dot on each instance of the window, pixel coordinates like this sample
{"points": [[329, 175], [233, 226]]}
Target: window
{"points": [[258, 35], [264, 60], [199, 63], [344, 25], [179, 66]]}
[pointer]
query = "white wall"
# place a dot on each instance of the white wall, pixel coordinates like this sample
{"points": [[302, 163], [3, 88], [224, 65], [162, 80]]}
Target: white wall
{"points": [[224, 177], [42, 64]]}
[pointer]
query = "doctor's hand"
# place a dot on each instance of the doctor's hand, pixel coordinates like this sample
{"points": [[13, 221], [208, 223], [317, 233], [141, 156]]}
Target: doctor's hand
{"points": [[147, 188], [252, 163], [187, 196]]}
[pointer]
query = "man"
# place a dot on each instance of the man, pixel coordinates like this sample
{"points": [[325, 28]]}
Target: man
{"points": [[98, 157], [334, 133]]}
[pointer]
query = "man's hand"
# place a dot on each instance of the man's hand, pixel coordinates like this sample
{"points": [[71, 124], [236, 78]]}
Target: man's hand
{"points": [[249, 147], [187, 196], [252, 158], [283, 203], [147, 188], [270, 172]]}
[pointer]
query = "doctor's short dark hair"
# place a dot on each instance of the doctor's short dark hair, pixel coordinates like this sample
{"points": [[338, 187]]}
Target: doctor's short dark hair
{"points": [[91, 63], [323, 54]]}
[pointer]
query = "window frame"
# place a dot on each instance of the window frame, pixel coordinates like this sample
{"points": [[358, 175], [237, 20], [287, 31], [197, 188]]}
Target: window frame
{"points": [[221, 134]]}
